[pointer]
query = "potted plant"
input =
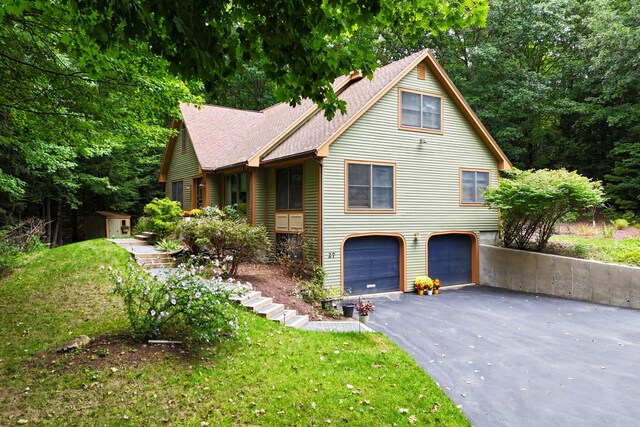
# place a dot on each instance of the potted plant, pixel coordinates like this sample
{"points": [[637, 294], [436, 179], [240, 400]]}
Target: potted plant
{"points": [[429, 287], [420, 283], [436, 286], [348, 306], [330, 298], [125, 229], [186, 215], [364, 308]]}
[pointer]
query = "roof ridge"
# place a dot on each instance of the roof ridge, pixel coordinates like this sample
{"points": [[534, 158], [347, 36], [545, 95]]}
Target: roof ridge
{"points": [[222, 106]]}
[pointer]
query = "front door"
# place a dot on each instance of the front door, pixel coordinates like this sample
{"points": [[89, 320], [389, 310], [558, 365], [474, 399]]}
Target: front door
{"points": [[198, 192]]}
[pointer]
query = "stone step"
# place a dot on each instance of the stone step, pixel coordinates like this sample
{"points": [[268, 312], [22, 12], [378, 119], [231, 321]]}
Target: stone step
{"points": [[148, 233], [270, 310], [153, 256], [256, 304], [284, 315], [247, 296], [141, 237], [297, 321], [155, 264]]}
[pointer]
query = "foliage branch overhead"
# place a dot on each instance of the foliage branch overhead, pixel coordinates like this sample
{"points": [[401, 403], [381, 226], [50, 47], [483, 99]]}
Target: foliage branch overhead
{"points": [[304, 44]]}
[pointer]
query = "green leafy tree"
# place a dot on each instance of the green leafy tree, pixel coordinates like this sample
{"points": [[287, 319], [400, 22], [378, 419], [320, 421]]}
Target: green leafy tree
{"points": [[531, 202]]}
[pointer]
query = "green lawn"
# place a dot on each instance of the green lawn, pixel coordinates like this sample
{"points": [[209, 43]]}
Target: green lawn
{"points": [[271, 376], [625, 251]]}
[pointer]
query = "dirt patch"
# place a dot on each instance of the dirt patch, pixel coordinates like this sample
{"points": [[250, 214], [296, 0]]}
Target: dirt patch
{"points": [[113, 352], [626, 233], [274, 282]]}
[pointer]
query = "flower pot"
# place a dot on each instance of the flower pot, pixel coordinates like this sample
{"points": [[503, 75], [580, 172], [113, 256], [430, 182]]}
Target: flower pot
{"points": [[327, 304], [348, 309], [420, 291], [364, 319], [436, 291], [186, 218], [430, 292]]}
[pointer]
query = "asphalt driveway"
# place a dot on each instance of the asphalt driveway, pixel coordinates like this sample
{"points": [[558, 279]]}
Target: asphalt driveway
{"points": [[514, 359]]}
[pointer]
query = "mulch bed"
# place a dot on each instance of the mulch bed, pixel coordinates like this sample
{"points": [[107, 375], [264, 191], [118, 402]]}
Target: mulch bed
{"points": [[275, 282], [113, 352]]}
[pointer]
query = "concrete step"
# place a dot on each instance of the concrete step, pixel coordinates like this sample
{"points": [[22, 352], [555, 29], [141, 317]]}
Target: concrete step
{"points": [[270, 310], [141, 237], [247, 296], [148, 233], [284, 315], [297, 321], [257, 303]]}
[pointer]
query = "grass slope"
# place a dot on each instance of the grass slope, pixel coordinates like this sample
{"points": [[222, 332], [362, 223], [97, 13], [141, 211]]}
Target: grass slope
{"points": [[271, 376], [625, 251]]}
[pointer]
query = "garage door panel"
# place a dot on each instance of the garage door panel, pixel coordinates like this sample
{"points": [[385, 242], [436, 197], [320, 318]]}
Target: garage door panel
{"points": [[450, 258], [371, 264]]}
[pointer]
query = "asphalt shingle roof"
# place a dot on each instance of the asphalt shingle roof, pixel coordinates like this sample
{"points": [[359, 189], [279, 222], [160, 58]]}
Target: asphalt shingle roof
{"points": [[224, 137]]}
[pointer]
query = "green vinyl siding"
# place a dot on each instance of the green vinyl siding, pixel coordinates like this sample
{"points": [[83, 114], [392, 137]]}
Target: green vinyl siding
{"points": [[184, 166], [427, 179], [261, 193], [310, 196], [214, 189]]}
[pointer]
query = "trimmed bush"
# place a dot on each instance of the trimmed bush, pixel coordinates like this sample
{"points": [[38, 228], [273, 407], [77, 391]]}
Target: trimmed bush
{"points": [[228, 241], [161, 217], [531, 202]]}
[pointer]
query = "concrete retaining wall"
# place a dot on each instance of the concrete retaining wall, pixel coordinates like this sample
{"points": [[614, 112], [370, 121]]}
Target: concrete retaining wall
{"points": [[565, 277]]}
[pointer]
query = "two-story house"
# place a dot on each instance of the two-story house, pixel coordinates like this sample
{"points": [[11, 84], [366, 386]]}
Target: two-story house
{"points": [[388, 191]]}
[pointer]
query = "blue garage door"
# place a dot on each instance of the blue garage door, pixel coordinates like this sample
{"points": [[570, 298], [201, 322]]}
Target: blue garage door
{"points": [[371, 264], [450, 258]]}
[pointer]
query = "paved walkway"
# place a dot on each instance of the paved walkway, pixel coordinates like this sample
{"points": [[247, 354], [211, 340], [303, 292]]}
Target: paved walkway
{"points": [[343, 326], [514, 359]]}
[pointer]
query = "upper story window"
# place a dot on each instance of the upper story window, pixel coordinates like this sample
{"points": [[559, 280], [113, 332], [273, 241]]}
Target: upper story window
{"points": [[472, 185], [421, 111], [183, 137], [370, 187], [176, 191], [289, 188]]}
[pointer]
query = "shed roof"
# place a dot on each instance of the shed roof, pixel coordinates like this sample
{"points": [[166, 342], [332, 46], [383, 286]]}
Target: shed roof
{"points": [[112, 215]]}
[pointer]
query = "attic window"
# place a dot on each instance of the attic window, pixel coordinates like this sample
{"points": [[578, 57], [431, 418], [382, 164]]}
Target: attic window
{"points": [[183, 137], [421, 111]]}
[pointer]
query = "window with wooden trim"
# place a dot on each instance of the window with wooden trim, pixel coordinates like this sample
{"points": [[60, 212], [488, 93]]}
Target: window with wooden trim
{"points": [[370, 187], [177, 191], [420, 111], [289, 188], [237, 194], [183, 137], [472, 186]]}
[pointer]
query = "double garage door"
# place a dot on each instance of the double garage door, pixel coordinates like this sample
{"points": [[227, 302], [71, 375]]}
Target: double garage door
{"points": [[371, 264]]}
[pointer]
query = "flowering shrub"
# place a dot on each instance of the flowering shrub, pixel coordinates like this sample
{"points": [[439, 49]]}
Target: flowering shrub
{"points": [[364, 308], [185, 301]]}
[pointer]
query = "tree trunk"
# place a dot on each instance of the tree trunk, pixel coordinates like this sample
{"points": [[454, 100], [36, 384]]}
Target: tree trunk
{"points": [[56, 232], [48, 218]]}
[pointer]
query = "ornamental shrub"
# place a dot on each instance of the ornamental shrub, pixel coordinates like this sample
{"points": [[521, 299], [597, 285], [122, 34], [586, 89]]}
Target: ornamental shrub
{"points": [[229, 241], [185, 303], [531, 202], [162, 216]]}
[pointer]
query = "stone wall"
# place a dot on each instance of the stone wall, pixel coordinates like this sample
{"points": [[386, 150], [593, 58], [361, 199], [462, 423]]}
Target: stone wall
{"points": [[560, 276]]}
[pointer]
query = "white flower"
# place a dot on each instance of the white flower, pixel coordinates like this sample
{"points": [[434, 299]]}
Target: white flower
{"points": [[102, 267], [173, 301], [152, 312], [119, 279]]}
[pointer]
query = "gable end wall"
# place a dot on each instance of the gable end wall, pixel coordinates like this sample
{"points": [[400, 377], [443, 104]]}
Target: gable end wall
{"points": [[427, 179]]}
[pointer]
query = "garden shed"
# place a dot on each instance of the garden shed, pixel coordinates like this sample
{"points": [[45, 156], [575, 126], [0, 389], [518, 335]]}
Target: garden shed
{"points": [[107, 224]]}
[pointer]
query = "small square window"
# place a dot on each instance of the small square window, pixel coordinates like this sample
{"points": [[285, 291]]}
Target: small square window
{"points": [[473, 185]]}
